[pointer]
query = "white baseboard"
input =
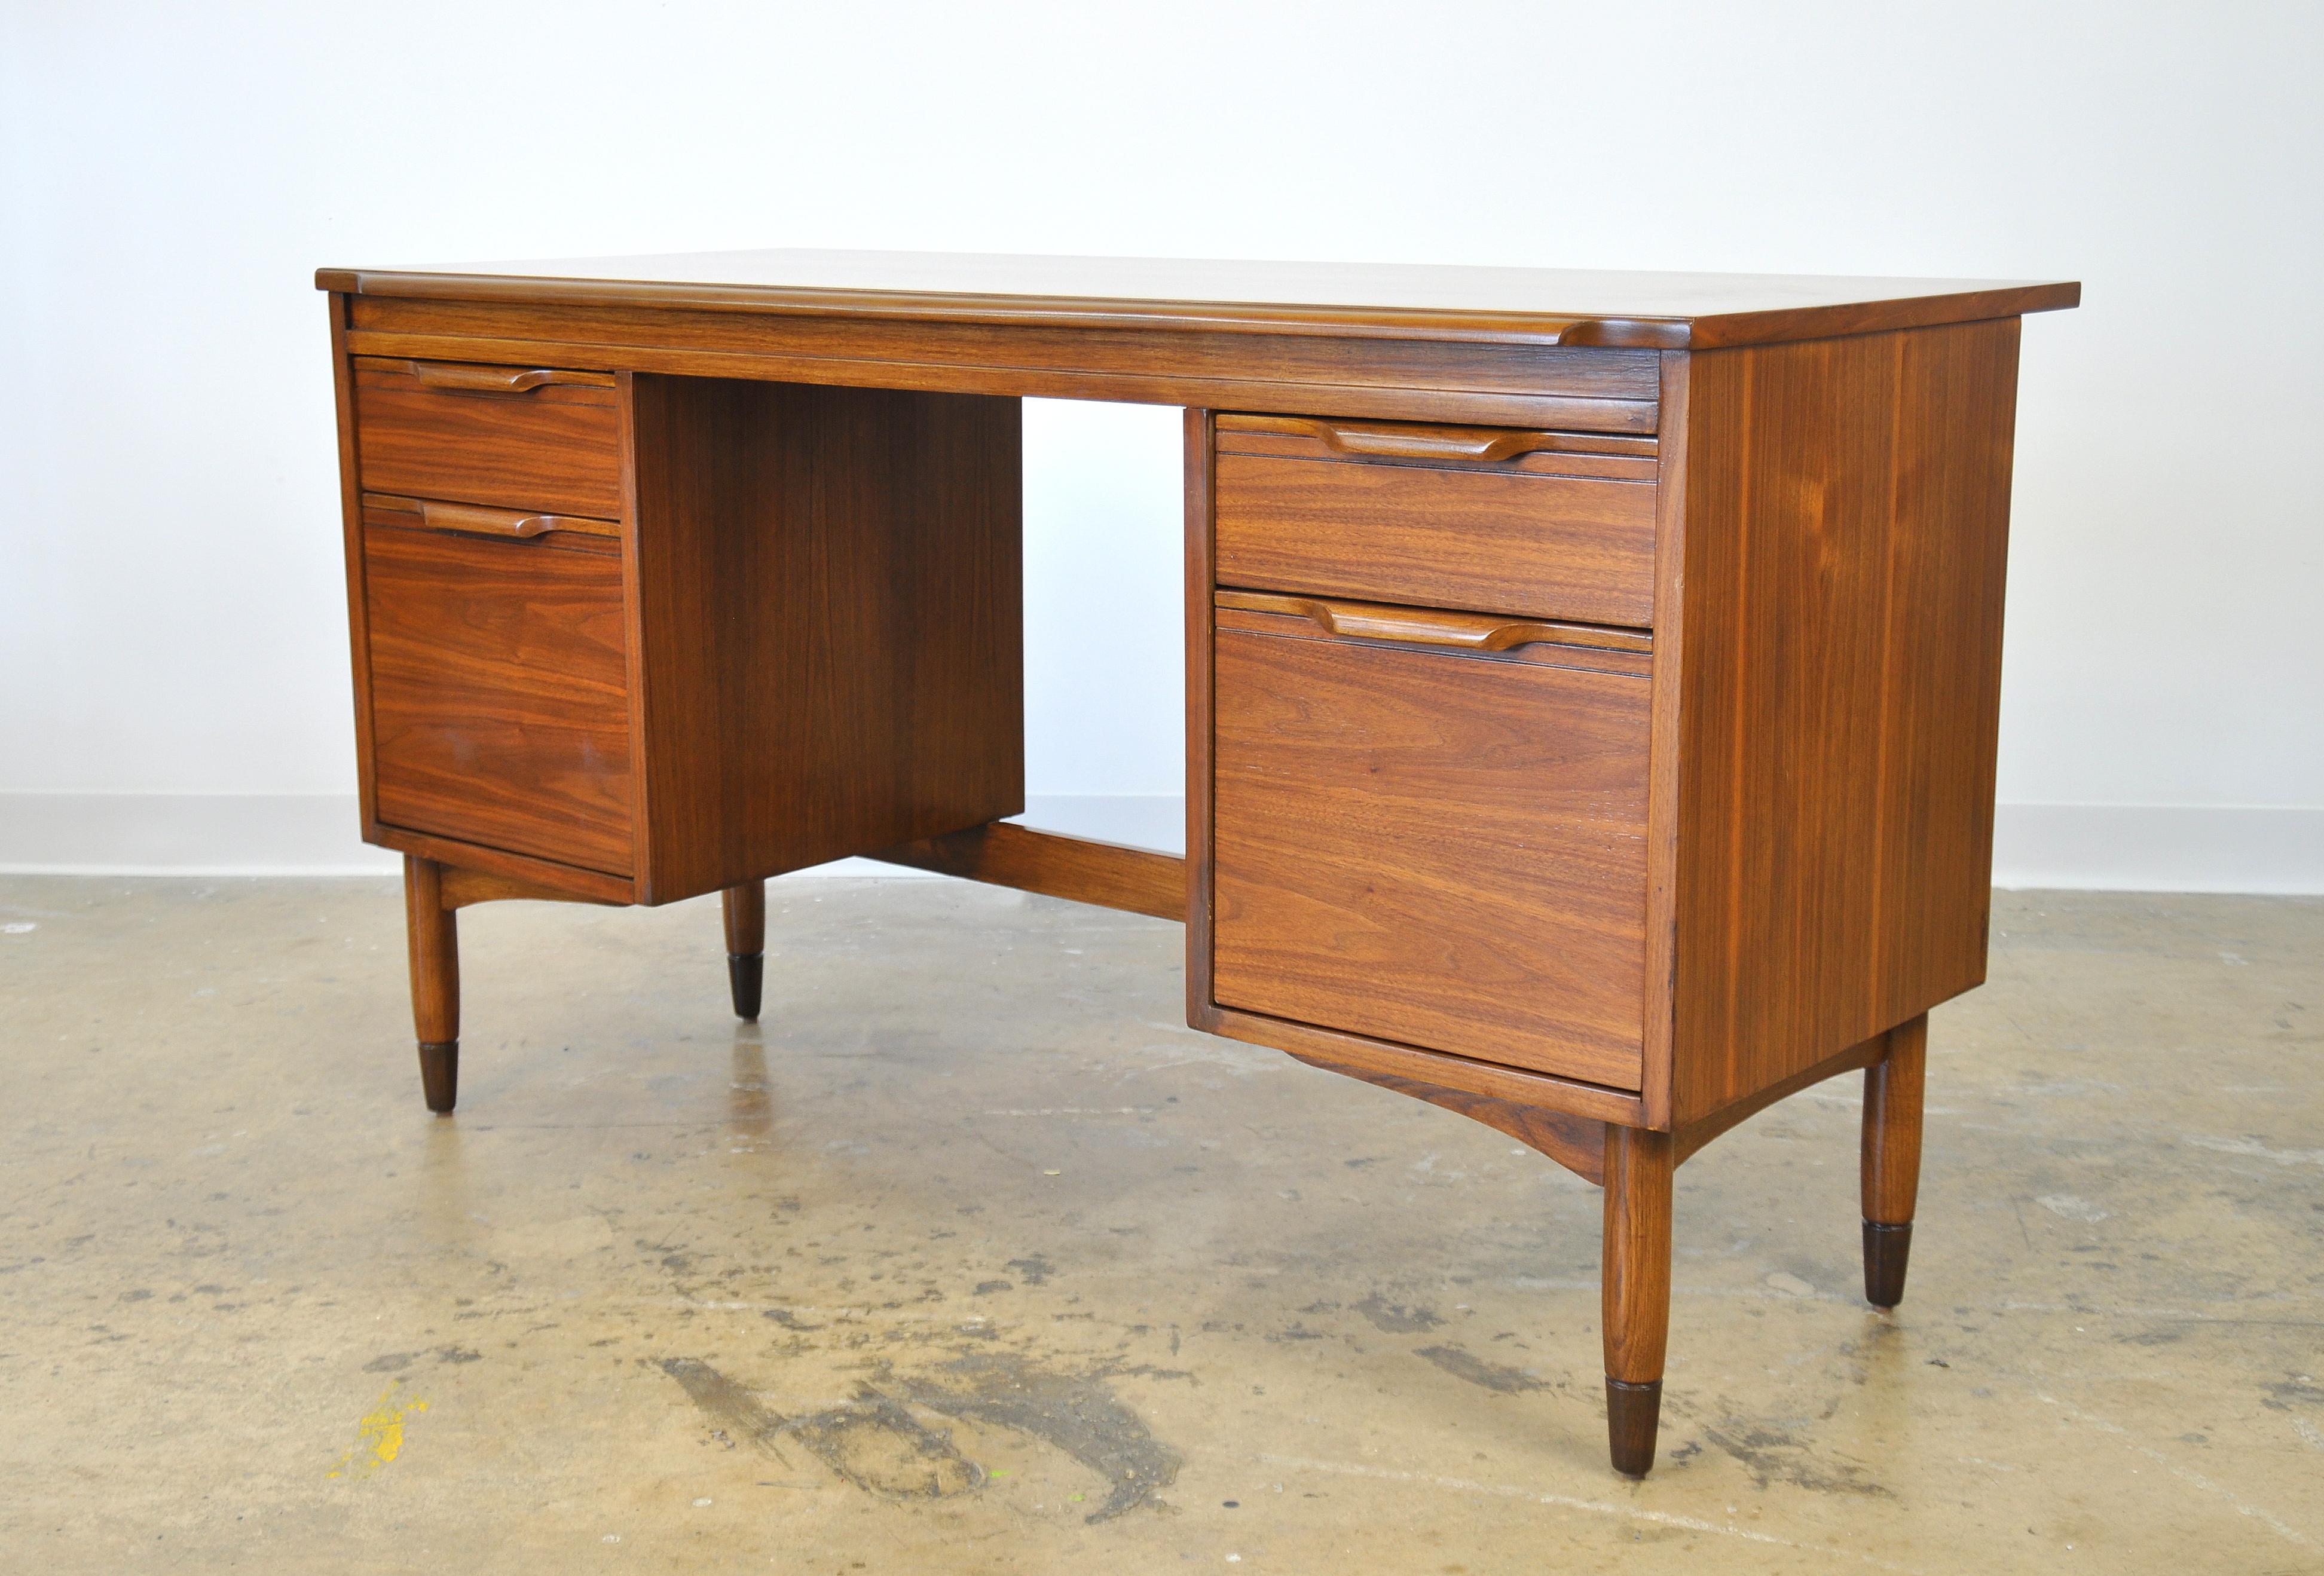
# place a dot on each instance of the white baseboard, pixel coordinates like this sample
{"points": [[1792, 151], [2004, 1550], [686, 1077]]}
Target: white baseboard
{"points": [[2148, 848], [2159, 848], [187, 834]]}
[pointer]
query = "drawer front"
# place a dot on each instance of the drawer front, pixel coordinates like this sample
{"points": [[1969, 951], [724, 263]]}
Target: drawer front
{"points": [[1476, 519], [500, 692], [504, 437], [1441, 850]]}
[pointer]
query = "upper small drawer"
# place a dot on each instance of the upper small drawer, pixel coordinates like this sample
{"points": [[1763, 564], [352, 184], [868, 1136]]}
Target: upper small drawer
{"points": [[1544, 524], [506, 437]]}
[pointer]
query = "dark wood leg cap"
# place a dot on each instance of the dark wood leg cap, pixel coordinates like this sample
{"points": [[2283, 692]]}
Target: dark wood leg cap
{"points": [[746, 974], [1886, 1249], [1633, 1413], [439, 1073]]}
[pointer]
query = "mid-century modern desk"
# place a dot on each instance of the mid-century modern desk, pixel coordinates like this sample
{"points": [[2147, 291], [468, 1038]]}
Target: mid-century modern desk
{"points": [[1591, 678]]}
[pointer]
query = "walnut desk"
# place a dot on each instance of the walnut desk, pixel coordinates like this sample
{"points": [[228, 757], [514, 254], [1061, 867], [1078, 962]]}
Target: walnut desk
{"points": [[1592, 678]]}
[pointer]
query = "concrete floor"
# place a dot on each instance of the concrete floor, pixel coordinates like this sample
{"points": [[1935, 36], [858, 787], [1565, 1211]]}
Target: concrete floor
{"points": [[972, 1259]]}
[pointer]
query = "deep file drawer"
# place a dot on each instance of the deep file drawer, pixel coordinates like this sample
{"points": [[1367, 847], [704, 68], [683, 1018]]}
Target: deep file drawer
{"points": [[1440, 849], [500, 691], [506, 437], [1547, 525]]}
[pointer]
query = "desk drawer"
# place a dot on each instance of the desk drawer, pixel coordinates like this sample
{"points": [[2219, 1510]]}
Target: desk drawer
{"points": [[500, 691], [505, 437], [1548, 525], [1444, 850]]}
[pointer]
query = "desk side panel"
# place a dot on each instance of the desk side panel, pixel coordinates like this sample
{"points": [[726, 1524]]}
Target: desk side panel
{"points": [[351, 536], [827, 622], [1847, 508]]}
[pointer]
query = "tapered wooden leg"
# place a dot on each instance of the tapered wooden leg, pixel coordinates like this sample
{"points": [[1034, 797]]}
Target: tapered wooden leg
{"points": [[433, 933], [1636, 1291], [1892, 1159], [746, 946]]}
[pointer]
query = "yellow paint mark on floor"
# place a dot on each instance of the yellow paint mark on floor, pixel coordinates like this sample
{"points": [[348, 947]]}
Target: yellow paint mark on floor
{"points": [[379, 1437]]}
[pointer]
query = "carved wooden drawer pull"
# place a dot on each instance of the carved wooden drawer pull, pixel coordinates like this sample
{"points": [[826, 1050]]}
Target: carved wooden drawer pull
{"points": [[1412, 626], [498, 380], [1423, 443], [431, 514]]}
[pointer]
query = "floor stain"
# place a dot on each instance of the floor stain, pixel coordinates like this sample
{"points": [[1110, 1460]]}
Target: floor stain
{"points": [[1394, 1318], [1034, 1270], [1493, 1375], [1773, 1456], [873, 1442], [1077, 1413], [395, 1362], [877, 1445], [2283, 1395]]}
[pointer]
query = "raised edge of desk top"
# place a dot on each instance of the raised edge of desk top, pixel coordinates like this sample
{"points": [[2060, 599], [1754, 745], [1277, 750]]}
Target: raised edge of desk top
{"points": [[1533, 306]]}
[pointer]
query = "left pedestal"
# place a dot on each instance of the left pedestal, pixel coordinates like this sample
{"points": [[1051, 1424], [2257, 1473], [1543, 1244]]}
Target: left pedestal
{"points": [[622, 638]]}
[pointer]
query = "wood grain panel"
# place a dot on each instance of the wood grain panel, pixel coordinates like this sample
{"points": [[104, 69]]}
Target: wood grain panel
{"points": [[828, 622], [1695, 1135], [500, 695], [1379, 400], [1661, 788], [1576, 1143], [1488, 541], [1433, 849], [550, 447], [1620, 376], [572, 880], [1365, 1055], [1940, 664], [465, 888], [1846, 532], [1610, 390]]}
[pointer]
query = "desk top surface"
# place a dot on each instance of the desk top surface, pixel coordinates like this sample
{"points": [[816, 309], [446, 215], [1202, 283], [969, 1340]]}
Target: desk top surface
{"points": [[1539, 306]]}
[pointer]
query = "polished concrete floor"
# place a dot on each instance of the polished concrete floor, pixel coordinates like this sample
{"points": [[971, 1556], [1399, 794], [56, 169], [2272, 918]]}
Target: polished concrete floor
{"points": [[972, 1258]]}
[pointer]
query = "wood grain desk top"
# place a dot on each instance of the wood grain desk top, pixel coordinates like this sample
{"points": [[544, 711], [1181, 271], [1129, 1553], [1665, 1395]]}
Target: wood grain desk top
{"points": [[1530, 306]]}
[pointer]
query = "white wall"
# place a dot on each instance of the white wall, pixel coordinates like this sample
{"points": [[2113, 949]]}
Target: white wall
{"points": [[172, 620]]}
